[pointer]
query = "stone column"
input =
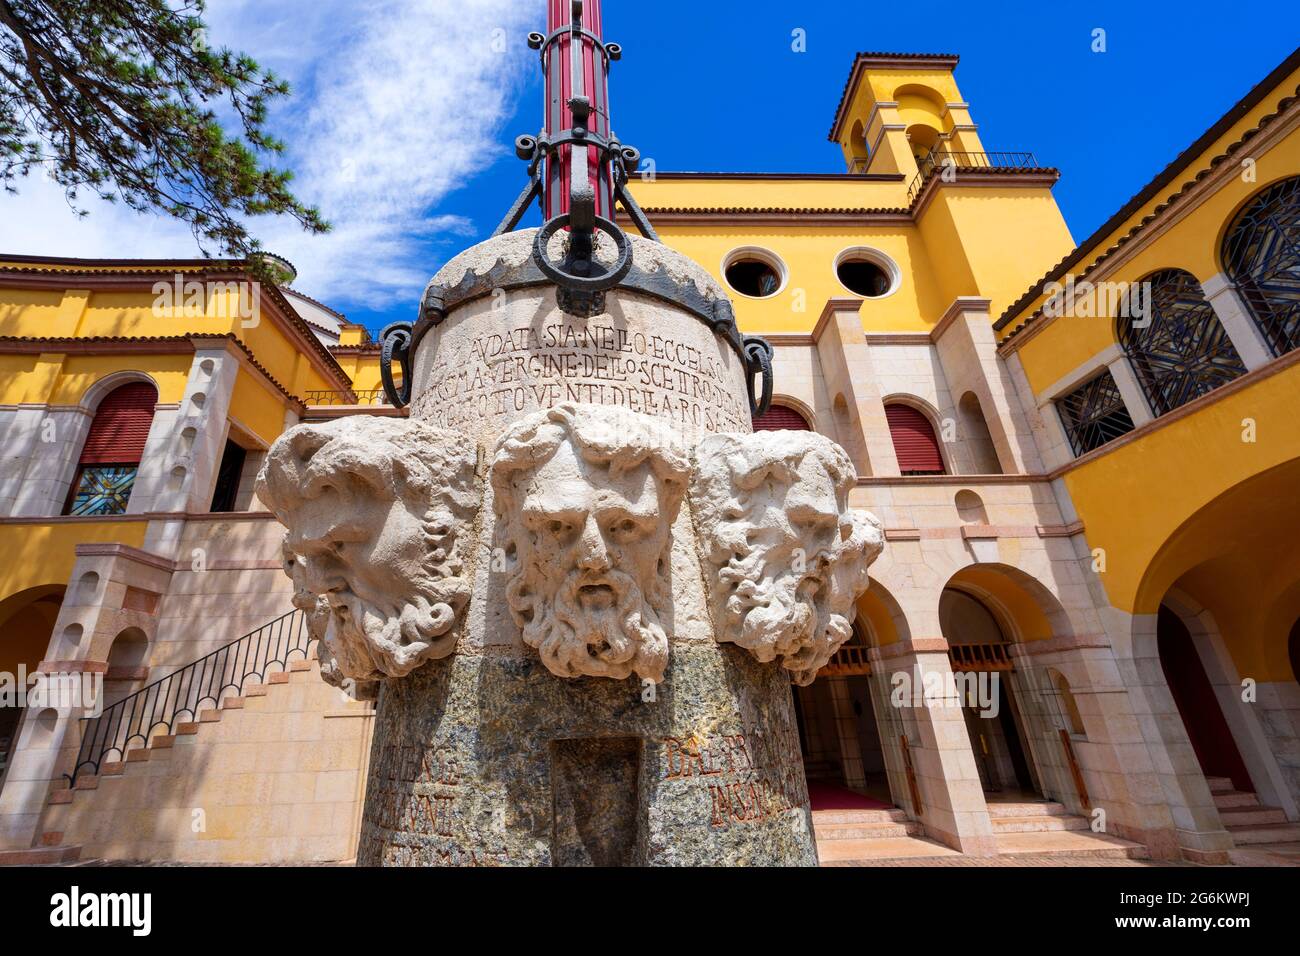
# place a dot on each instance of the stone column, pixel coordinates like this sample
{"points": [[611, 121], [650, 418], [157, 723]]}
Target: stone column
{"points": [[954, 811], [848, 372], [580, 586], [1246, 337]]}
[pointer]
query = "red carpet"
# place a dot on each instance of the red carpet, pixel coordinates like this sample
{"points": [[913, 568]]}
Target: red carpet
{"points": [[827, 796]]}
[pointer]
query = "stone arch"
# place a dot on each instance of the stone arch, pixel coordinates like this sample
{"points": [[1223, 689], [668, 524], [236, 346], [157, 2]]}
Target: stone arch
{"points": [[1027, 609], [859, 152], [101, 388], [881, 617], [1243, 723], [799, 406]]}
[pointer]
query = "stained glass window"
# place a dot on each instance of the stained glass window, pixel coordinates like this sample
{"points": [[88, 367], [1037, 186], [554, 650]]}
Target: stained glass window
{"points": [[102, 489]]}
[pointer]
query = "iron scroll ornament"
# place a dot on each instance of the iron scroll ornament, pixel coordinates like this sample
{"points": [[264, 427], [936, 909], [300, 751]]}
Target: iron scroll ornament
{"points": [[395, 343], [758, 361]]}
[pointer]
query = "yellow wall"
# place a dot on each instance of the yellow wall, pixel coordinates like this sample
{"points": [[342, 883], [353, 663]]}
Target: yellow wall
{"points": [[43, 554], [1133, 499]]}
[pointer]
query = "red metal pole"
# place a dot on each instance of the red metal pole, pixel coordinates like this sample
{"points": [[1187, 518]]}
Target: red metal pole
{"points": [[576, 69]]}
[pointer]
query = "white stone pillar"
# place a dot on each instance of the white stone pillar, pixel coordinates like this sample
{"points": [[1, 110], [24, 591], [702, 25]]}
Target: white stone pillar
{"points": [[1246, 337], [184, 450], [1131, 391], [848, 371], [49, 440]]}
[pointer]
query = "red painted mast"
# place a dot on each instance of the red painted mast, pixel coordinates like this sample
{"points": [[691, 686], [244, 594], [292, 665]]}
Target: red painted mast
{"points": [[576, 76]]}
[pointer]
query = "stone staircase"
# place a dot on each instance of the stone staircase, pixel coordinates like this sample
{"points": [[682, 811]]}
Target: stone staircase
{"points": [[861, 836], [1041, 828], [276, 779], [1262, 834]]}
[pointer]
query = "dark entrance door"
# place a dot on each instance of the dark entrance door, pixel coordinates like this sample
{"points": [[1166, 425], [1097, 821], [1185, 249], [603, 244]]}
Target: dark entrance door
{"points": [[1197, 705]]}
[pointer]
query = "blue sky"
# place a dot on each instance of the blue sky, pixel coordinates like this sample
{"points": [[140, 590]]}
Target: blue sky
{"points": [[405, 111]]}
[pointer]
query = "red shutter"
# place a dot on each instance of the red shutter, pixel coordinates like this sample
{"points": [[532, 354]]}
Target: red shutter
{"points": [[779, 417], [121, 426], [914, 441]]}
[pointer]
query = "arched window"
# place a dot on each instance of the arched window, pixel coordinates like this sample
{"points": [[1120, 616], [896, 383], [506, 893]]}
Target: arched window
{"points": [[914, 442], [1261, 253], [111, 455], [1176, 344], [779, 417]]}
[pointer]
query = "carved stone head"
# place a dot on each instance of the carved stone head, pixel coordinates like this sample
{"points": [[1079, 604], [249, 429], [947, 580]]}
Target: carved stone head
{"points": [[342, 665], [585, 498], [785, 556], [376, 509]]}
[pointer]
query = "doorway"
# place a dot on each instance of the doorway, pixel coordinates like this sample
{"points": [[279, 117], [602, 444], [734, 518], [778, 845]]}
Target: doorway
{"points": [[1207, 729]]}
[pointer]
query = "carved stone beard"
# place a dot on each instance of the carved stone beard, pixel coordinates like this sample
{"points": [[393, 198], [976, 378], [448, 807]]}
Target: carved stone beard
{"points": [[781, 615], [598, 625], [402, 632]]}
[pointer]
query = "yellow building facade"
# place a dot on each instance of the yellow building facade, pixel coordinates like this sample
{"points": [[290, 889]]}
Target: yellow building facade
{"points": [[1081, 637]]}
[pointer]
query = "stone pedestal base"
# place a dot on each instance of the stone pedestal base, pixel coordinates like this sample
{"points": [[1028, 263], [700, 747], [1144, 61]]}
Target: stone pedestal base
{"points": [[492, 760]]}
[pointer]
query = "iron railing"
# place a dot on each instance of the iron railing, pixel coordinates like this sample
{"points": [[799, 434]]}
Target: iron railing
{"points": [[367, 396], [938, 159], [200, 685]]}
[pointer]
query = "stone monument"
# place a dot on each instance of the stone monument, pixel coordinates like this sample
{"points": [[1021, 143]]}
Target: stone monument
{"points": [[575, 580]]}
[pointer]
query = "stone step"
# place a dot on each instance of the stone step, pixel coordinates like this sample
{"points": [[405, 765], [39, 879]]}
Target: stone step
{"points": [[1246, 817], [840, 817], [40, 856], [1069, 843], [1038, 823], [1220, 784], [1234, 798], [1266, 854], [1027, 809], [866, 852], [866, 831], [1274, 833], [300, 665]]}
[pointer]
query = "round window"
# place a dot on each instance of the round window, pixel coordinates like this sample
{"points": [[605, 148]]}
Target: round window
{"points": [[866, 273], [755, 273]]}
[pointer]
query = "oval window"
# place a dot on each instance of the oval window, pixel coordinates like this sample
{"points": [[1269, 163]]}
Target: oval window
{"points": [[754, 273], [866, 273]]}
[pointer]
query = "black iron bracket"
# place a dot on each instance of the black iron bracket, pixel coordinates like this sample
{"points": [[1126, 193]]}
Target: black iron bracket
{"points": [[395, 344], [758, 361]]}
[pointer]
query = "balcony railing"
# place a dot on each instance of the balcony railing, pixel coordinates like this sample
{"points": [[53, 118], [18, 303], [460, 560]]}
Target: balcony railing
{"points": [[938, 159], [182, 696], [980, 657], [848, 661], [369, 396]]}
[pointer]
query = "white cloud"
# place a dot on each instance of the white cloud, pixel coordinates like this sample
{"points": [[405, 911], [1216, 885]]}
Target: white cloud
{"points": [[395, 105]]}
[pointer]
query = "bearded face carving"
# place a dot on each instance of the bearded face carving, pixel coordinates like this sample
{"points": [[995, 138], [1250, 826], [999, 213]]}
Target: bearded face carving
{"points": [[585, 498], [376, 509], [784, 556]]}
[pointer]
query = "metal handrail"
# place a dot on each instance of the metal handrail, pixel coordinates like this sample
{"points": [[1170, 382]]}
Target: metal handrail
{"points": [[365, 396], [160, 706], [938, 158]]}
